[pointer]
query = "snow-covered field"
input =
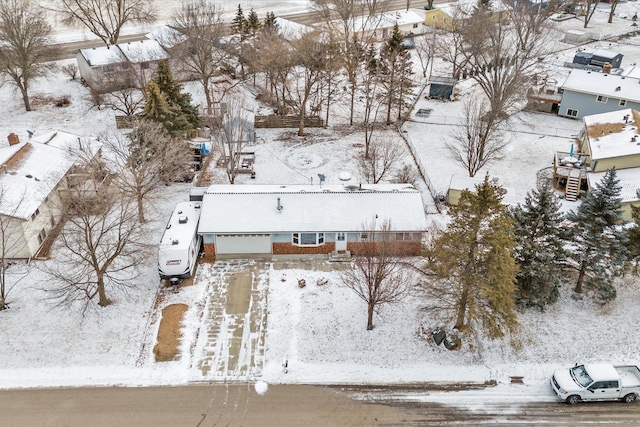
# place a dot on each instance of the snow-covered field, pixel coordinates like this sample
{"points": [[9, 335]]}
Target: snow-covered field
{"points": [[319, 330]]}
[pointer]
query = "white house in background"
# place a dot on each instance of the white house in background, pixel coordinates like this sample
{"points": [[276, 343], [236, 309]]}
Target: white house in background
{"points": [[32, 176], [380, 26], [249, 220], [585, 93], [460, 183], [121, 65]]}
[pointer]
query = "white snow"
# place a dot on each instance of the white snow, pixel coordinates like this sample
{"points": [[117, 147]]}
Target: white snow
{"points": [[319, 330]]}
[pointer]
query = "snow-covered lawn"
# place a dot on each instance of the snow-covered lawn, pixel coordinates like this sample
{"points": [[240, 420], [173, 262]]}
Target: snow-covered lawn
{"points": [[321, 331]]}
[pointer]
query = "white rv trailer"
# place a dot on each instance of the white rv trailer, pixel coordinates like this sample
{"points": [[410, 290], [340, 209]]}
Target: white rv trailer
{"points": [[180, 244]]}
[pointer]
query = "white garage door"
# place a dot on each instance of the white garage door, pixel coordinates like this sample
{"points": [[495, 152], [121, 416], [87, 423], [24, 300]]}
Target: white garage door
{"points": [[243, 244]]}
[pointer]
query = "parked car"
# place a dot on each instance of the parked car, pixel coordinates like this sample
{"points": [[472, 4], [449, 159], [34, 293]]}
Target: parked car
{"points": [[598, 381]]}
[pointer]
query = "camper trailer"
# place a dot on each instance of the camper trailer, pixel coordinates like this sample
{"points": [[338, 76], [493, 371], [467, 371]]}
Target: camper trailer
{"points": [[180, 244]]}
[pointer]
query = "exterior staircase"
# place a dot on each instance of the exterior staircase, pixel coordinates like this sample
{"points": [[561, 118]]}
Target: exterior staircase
{"points": [[573, 185]]}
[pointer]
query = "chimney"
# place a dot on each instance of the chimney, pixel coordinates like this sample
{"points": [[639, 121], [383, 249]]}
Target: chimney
{"points": [[13, 139], [606, 68]]}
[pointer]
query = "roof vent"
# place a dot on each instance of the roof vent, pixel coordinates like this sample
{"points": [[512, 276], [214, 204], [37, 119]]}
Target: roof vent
{"points": [[279, 207], [175, 241], [29, 176], [634, 138], [183, 219], [618, 89], [197, 206]]}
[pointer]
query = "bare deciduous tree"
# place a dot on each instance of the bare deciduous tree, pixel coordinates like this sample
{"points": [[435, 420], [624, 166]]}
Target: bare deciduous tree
{"points": [[146, 158], [309, 58], [103, 243], [479, 140], [502, 51], [232, 131], [588, 8], [377, 275], [201, 49], [25, 39], [426, 50], [105, 18], [383, 156]]}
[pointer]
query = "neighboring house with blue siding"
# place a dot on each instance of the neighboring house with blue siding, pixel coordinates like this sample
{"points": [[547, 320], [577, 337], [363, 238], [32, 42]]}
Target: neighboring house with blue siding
{"points": [[586, 93]]}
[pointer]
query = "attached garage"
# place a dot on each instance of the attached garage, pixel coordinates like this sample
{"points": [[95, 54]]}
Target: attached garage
{"points": [[227, 244]]}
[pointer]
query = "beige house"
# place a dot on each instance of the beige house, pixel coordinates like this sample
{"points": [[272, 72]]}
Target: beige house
{"points": [[32, 177], [438, 18], [119, 66], [608, 140]]}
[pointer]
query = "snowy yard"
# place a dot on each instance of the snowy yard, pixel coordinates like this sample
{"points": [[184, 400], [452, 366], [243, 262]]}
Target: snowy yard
{"points": [[319, 330]]}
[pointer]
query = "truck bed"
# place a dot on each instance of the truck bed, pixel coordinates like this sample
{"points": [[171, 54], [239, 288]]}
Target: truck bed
{"points": [[629, 375]]}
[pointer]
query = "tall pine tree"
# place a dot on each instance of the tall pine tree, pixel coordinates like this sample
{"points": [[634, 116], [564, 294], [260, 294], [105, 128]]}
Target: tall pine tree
{"points": [[396, 71], [253, 23], [181, 102], [597, 243], [473, 264], [539, 247], [239, 22]]}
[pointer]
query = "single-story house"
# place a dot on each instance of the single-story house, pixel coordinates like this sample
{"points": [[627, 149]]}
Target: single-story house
{"points": [[585, 93], [32, 177], [122, 65], [630, 183], [380, 26], [464, 9], [243, 220], [459, 184]]}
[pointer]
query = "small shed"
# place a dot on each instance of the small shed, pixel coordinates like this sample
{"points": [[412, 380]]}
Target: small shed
{"points": [[460, 183], [441, 87], [582, 58], [576, 37]]}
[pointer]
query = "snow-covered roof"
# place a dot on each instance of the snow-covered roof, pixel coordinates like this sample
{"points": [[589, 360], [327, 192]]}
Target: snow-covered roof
{"points": [[629, 181], [310, 208], [136, 52], [605, 53], [387, 20], [291, 30], [75, 145], [467, 183], [610, 135], [467, 7], [30, 171], [143, 51], [602, 372], [167, 36], [103, 55], [596, 83]]}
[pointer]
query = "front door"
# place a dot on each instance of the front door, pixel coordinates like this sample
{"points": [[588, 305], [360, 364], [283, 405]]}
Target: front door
{"points": [[341, 241]]}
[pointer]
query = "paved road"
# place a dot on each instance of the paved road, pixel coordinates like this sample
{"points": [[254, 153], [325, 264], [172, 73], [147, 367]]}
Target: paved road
{"points": [[290, 405]]}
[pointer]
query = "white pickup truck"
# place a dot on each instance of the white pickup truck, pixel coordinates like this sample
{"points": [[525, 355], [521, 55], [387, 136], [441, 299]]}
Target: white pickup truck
{"points": [[597, 381]]}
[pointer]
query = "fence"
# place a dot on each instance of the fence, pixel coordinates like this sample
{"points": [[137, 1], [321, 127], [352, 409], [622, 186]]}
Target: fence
{"points": [[287, 122]]}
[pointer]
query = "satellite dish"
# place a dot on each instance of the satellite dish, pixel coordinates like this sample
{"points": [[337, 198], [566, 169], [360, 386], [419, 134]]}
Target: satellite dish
{"points": [[322, 177], [345, 176]]}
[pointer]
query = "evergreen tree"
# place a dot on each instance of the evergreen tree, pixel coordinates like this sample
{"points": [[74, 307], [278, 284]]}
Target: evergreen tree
{"points": [[473, 264], [159, 110], [598, 245], [539, 249], [172, 91], [253, 23], [239, 22], [633, 244], [270, 25], [396, 71]]}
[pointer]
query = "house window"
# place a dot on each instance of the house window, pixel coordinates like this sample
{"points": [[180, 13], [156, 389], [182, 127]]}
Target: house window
{"points": [[433, 17], [403, 236], [415, 25], [602, 99], [364, 236], [35, 214], [572, 113], [41, 236], [622, 103], [145, 65], [308, 239]]}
